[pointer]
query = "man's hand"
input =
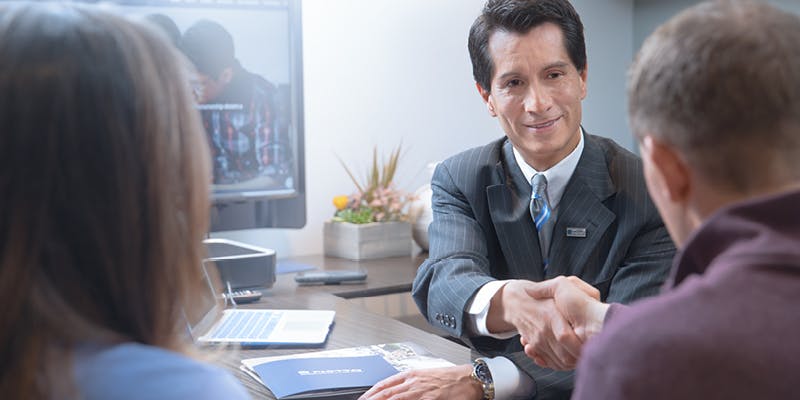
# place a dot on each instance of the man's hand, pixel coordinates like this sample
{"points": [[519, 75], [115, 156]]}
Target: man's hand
{"points": [[577, 301], [429, 384], [539, 323]]}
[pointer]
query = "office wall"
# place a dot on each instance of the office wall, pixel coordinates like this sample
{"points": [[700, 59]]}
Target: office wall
{"points": [[608, 28], [380, 72], [649, 14]]}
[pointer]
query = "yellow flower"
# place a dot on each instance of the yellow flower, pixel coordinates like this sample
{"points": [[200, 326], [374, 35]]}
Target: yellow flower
{"points": [[340, 202]]}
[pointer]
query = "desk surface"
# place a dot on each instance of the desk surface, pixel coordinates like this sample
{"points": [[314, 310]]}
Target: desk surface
{"points": [[354, 326], [384, 276]]}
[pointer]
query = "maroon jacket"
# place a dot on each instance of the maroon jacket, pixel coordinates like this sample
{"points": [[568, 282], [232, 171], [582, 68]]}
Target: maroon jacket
{"points": [[727, 325]]}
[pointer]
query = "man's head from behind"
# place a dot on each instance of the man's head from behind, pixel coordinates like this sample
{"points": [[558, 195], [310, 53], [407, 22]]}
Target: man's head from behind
{"points": [[714, 99], [210, 48]]}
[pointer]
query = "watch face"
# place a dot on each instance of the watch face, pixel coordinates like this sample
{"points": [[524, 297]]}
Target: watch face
{"points": [[482, 372]]}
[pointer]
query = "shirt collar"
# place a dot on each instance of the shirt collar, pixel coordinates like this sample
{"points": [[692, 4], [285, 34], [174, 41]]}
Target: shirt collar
{"points": [[558, 175]]}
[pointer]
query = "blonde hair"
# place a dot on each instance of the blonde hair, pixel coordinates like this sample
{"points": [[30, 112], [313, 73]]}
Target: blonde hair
{"points": [[104, 175]]}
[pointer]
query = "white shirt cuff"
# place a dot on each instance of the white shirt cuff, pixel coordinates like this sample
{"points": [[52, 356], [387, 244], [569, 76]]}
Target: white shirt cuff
{"points": [[509, 381], [479, 310]]}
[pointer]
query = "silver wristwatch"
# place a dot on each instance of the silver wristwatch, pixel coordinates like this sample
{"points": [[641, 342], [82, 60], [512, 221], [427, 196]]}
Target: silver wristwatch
{"points": [[481, 373]]}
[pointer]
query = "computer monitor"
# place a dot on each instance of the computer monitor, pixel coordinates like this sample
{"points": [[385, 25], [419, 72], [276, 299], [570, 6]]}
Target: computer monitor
{"points": [[248, 85]]}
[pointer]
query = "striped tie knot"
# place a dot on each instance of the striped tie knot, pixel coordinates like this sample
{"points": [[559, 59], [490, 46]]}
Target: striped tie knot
{"points": [[540, 209]]}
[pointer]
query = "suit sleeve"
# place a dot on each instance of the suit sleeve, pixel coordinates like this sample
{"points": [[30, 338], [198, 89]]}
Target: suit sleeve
{"points": [[457, 264]]}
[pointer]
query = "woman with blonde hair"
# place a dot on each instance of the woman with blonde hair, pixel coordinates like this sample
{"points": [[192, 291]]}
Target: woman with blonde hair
{"points": [[104, 180]]}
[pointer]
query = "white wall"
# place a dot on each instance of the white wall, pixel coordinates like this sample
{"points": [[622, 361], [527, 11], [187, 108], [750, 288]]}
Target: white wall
{"points": [[381, 72], [608, 27]]}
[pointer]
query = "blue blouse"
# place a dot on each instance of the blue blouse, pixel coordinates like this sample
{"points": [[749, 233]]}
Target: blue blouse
{"points": [[136, 371]]}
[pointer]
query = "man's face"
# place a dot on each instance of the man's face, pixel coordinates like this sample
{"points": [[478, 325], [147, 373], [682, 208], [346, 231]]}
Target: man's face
{"points": [[536, 93], [206, 88]]}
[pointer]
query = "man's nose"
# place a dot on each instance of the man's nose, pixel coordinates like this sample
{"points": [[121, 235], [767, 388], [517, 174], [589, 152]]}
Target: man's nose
{"points": [[538, 100]]}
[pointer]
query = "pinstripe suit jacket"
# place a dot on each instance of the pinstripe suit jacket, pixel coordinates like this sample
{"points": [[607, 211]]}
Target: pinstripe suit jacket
{"points": [[482, 231]]}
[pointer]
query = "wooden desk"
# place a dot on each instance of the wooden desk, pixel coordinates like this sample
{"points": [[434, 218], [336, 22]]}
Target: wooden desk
{"points": [[354, 325], [384, 276], [386, 290]]}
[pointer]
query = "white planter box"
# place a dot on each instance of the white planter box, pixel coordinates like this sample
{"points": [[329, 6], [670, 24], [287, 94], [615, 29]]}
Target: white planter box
{"points": [[367, 241]]}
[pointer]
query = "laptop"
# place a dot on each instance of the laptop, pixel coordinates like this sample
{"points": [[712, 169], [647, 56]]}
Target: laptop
{"points": [[257, 327]]}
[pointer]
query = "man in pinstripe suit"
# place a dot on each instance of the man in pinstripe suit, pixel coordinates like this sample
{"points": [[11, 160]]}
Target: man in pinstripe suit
{"points": [[529, 63]]}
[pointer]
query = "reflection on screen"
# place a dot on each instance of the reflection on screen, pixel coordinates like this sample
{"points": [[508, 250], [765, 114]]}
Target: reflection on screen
{"points": [[242, 53], [248, 86]]}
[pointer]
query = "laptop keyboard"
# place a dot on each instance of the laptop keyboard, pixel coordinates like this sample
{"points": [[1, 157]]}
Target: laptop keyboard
{"points": [[245, 324]]}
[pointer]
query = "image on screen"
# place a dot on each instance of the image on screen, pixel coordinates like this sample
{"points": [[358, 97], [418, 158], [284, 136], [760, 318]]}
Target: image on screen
{"points": [[247, 83]]}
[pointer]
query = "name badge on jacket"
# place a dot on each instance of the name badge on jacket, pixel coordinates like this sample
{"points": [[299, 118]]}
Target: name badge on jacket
{"points": [[576, 232]]}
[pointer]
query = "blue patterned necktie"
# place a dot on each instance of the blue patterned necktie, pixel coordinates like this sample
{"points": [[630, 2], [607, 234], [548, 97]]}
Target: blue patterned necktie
{"points": [[542, 214]]}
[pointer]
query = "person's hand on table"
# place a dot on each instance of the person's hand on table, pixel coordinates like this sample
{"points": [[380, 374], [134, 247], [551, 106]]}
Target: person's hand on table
{"points": [[429, 384]]}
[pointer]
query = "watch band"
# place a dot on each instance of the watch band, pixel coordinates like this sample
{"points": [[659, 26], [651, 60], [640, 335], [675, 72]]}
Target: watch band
{"points": [[482, 374]]}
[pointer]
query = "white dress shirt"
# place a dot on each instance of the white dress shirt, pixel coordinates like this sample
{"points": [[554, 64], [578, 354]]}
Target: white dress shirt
{"points": [[509, 381]]}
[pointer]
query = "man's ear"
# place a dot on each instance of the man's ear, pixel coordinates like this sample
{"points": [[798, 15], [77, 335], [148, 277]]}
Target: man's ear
{"points": [[487, 98], [584, 75], [672, 168], [226, 76]]}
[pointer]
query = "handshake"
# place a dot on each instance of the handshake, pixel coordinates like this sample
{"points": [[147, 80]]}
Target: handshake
{"points": [[554, 318]]}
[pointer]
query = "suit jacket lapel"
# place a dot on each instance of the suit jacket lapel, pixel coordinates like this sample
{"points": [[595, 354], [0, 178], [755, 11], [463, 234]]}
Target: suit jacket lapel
{"points": [[508, 205], [582, 206]]}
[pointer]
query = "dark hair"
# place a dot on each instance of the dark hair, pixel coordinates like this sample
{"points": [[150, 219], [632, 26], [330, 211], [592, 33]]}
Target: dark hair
{"points": [[167, 26], [520, 16], [209, 46], [721, 82], [104, 175]]}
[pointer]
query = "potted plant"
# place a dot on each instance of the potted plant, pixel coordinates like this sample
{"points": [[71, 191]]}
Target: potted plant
{"points": [[373, 221]]}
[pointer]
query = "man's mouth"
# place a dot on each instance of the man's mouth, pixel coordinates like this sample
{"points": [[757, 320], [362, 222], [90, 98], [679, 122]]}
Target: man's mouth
{"points": [[544, 125]]}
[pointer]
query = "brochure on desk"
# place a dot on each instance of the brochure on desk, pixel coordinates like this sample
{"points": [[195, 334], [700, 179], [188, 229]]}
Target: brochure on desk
{"points": [[343, 373]]}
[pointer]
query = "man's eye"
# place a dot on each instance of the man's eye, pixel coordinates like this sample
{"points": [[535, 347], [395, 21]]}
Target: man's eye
{"points": [[513, 83], [554, 75]]}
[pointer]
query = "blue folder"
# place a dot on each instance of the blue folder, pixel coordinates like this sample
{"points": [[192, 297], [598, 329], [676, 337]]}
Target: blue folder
{"points": [[319, 376]]}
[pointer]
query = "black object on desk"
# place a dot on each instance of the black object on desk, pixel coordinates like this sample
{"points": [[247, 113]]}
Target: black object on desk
{"points": [[334, 277]]}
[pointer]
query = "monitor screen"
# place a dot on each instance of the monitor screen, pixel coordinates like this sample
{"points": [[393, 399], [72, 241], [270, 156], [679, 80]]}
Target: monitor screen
{"points": [[247, 82]]}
